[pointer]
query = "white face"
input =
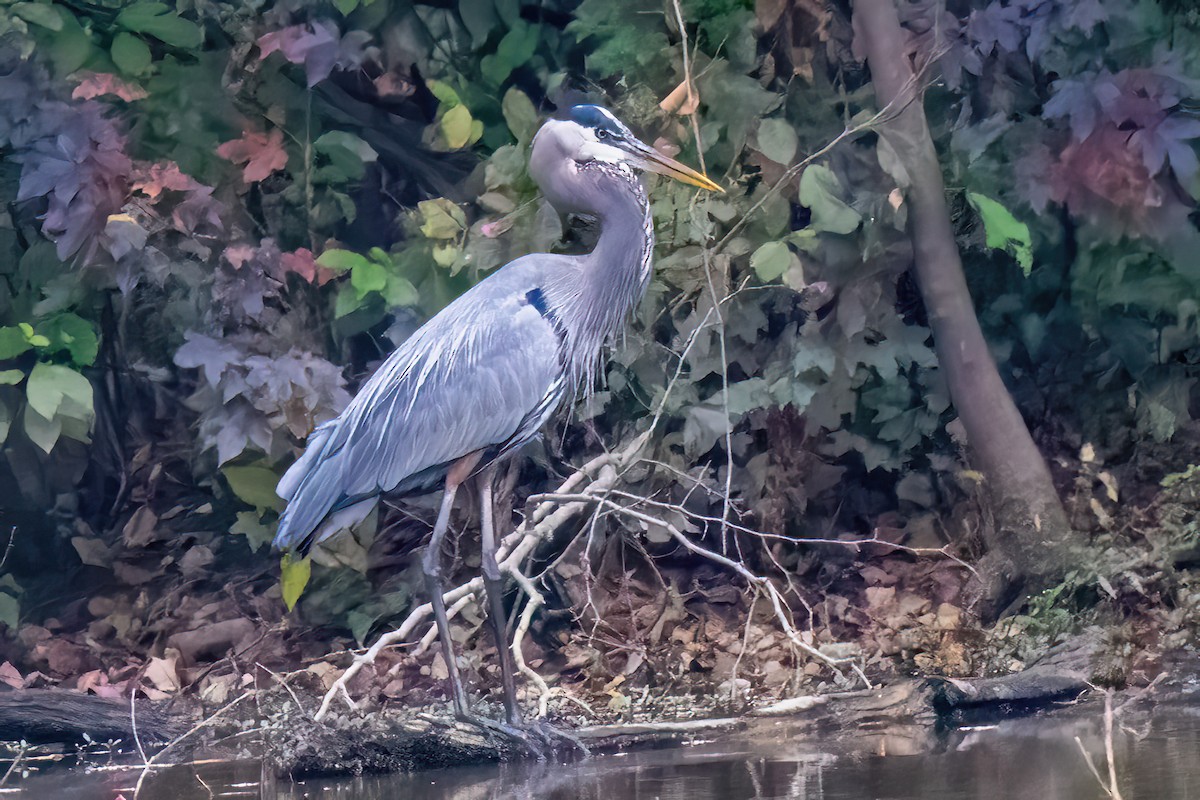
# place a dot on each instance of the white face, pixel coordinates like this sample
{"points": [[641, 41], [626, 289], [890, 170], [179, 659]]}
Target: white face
{"points": [[577, 142], [593, 135]]}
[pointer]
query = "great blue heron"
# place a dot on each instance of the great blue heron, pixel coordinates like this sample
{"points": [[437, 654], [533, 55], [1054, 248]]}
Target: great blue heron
{"points": [[484, 375]]}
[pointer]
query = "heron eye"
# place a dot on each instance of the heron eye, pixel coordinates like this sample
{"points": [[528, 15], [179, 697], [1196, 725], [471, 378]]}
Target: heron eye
{"points": [[602, 134]]}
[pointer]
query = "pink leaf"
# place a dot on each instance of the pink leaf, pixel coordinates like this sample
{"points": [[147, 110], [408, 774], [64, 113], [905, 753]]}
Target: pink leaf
{"points": [[303, 264], [165, 175], [261, 154], [238, 254], [95, 84]]}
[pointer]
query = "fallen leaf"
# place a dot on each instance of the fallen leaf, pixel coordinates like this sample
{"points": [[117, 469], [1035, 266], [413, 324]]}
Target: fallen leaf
{"points": [[880, 596], [437, 668], [216, 690], [133, 575], [211, 641], [161, 672], [949, 617], [141, 529], [1110, 485], [10, 676], [327, 672], [1105, 519], [195, 561], [92, 551]]}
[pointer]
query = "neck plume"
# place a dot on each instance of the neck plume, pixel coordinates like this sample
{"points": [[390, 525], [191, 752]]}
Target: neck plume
{"points": [[610, 281]]}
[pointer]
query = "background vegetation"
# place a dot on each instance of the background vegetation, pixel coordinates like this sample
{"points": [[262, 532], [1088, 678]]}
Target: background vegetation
{"points": [[221, 216]]}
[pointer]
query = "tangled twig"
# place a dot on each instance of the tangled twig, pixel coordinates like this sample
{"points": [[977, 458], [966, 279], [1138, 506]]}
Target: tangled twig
{"points": [[546, 518]]}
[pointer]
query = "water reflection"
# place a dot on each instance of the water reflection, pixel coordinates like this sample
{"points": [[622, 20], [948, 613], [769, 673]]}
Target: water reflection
{"points": [[1029, 759]]}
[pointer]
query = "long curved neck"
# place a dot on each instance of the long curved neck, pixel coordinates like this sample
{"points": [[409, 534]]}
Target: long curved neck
{"points": [[612, 279]]}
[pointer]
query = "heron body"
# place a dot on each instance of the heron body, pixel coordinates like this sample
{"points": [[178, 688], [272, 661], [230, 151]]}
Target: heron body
{"points": [[482, 377]]}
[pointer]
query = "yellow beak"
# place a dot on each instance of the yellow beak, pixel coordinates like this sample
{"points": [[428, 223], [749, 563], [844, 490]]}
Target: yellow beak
{"points": [[653, 161]]}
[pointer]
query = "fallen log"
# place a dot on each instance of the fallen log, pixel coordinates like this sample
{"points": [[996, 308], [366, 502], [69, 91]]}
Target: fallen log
{"points": [[1033, 686], [45, 716]]}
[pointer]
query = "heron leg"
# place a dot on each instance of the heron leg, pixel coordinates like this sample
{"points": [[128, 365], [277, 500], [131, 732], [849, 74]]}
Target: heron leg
{"points": [[431, 565], [493, 582]]}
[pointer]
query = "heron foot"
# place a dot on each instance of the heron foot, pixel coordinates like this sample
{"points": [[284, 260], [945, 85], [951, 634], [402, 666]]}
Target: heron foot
{"points": [[539, 738], [557, 738]]}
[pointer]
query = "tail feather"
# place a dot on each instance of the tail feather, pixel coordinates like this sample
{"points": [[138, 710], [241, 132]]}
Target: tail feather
{"points": [[313, 488]]}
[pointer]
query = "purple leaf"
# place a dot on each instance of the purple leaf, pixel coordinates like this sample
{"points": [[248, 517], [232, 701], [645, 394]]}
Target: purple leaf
{"points": [[211, 355], [318, 46]]}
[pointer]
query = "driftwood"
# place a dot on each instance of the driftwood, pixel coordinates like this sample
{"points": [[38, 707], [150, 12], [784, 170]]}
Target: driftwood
{"points": [[62, 717], [1034, 686]]}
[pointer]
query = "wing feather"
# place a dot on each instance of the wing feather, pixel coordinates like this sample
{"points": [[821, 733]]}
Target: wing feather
{"points": [[478, 374]]}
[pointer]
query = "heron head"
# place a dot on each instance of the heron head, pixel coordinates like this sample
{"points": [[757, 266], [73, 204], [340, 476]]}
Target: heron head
{"points": [[589, 133]]}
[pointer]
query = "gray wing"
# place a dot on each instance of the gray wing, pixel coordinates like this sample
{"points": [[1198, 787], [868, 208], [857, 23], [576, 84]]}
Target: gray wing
{"points": [[483, 373]]}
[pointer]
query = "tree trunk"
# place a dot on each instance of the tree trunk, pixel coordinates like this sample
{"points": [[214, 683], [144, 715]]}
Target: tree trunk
{"points": [[1030, 528]]}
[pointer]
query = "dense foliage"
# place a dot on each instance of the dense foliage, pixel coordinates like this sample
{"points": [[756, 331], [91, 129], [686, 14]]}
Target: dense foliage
{"points": [[220, 216]]}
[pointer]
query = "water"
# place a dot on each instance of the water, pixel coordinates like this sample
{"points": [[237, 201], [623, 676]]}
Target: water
{"points": [[1029, 759]]}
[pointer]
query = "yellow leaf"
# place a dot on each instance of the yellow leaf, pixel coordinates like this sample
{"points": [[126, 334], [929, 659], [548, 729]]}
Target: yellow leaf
{"points": [[456, 127], [293, 577]]}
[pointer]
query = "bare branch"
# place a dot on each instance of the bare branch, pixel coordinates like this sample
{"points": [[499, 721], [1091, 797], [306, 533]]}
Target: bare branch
{"points": [[545, 519]]}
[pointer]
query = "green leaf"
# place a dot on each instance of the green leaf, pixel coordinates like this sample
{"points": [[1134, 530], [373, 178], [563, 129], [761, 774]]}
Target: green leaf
{"points": [[41, 431], [777, 140], [6, 419], [770, 261], [444, 93], [1004, 231], [520, 115], [11, 377], [368, 277], [625, 38], [130, 54], [360, 623], [334, 140], [345, 6], [821, 192], [71, 46], [39, 14], [54, 390], [10, 611], [515, 49], [346, 302], [74, 334], [400, 292], [441, 219], [13, 342], [159, 21], [293, 577], [446, 254], [255, 486], [456, 127], [249, 525], [340, 260]]}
